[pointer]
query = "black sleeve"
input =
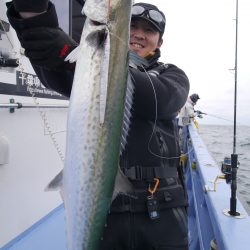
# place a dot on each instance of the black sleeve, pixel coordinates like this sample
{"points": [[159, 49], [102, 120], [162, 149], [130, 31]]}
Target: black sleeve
{"points": [[59, 81], [167, 90], [78, 19]]}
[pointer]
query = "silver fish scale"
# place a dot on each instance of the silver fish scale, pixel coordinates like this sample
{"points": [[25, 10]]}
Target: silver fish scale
{"points": [[82, 127], [92, 151]]}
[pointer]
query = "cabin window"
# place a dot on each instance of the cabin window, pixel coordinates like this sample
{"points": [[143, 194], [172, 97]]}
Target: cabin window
{"points": [[63, 8]]}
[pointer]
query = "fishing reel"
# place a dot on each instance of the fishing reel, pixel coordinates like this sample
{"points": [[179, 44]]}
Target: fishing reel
{"points": [[199, 113], [226, 169]]}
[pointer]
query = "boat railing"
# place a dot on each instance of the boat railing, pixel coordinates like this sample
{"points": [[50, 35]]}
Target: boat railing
{"points": [[210, 224], [19, 105]]}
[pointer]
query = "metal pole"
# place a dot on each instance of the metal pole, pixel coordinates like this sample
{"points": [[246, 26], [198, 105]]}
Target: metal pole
{"points": [[19, 105], [234, 156], [235, 76]]}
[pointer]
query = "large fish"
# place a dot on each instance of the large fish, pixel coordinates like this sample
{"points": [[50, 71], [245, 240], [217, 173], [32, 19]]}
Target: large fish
{"points": [[95, 120]]}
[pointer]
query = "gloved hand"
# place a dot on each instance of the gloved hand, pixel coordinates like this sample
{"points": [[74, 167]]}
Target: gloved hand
{"points": [[36, 6], [46, 47], [44, 42]]}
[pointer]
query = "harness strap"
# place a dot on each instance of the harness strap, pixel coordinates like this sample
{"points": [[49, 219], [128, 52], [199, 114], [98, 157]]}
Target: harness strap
{"points": [[141, 208], [149, 173], [167, 197]]}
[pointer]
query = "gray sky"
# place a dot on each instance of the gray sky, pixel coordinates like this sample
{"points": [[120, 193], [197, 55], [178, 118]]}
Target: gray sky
{"points": [[200, 39]]}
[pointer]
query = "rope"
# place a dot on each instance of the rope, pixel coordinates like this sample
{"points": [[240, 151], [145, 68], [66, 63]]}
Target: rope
{"points": [[45, 120], [42, 113]]}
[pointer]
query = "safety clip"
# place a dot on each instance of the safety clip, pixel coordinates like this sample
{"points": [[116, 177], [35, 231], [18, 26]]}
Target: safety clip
{"points": [[152, 191]]}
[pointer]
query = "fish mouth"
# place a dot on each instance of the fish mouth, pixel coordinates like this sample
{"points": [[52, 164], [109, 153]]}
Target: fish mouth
{"points": [[96, 23]]}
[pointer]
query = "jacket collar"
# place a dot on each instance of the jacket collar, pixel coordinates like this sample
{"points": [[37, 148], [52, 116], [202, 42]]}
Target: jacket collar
{"points": [[154, 59]]}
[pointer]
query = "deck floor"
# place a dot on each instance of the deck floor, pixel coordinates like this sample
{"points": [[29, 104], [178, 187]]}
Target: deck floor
{"points": [[48, 233]]}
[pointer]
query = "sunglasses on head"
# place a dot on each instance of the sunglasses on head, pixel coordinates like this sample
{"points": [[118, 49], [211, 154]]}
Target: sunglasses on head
{"points": [[154, 15]]}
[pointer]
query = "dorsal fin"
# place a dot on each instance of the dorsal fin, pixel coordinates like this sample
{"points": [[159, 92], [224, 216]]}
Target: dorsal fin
{"points": [[127, 113]]}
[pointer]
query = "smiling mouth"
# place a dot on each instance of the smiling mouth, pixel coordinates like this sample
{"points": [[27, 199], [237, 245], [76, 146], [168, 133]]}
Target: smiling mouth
{"points": [[137, 45]]}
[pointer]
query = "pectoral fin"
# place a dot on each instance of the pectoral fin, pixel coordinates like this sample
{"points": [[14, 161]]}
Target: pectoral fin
{"points": [[56, 183]]}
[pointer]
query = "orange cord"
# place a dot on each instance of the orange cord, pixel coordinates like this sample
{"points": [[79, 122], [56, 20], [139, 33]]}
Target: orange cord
{"points": [[155, 186]]}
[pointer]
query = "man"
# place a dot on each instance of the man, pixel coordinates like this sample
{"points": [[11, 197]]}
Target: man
{"points": [[187, 113], [186, 116], [157, 218]]}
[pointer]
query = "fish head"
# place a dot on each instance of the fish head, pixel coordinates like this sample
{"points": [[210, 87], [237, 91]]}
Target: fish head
{"points": [[96, 10]]}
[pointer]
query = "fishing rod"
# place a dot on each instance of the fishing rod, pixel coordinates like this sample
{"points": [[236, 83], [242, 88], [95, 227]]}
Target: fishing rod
{"points": [[234, 156], [219, 117], [213, 115]]}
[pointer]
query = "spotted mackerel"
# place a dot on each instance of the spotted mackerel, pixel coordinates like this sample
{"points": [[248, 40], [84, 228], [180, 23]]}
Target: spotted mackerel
{"points": [[96, 119]]}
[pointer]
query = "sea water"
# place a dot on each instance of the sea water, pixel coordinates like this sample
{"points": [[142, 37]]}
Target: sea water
{"points": [[219, 141]]}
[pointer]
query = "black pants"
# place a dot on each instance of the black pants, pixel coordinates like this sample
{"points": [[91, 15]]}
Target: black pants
{"points": [[136, 231]]}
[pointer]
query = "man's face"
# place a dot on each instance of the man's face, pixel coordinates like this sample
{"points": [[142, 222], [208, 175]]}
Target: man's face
{"points": [[144, 37]]}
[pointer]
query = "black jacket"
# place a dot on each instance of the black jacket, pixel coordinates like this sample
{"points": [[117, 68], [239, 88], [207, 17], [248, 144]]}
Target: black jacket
{"points": [[153, 139]]}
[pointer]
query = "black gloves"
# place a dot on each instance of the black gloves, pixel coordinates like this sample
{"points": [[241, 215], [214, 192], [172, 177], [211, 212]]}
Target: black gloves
{"points": [[36, 6], [45, 44], [47, 47]]}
